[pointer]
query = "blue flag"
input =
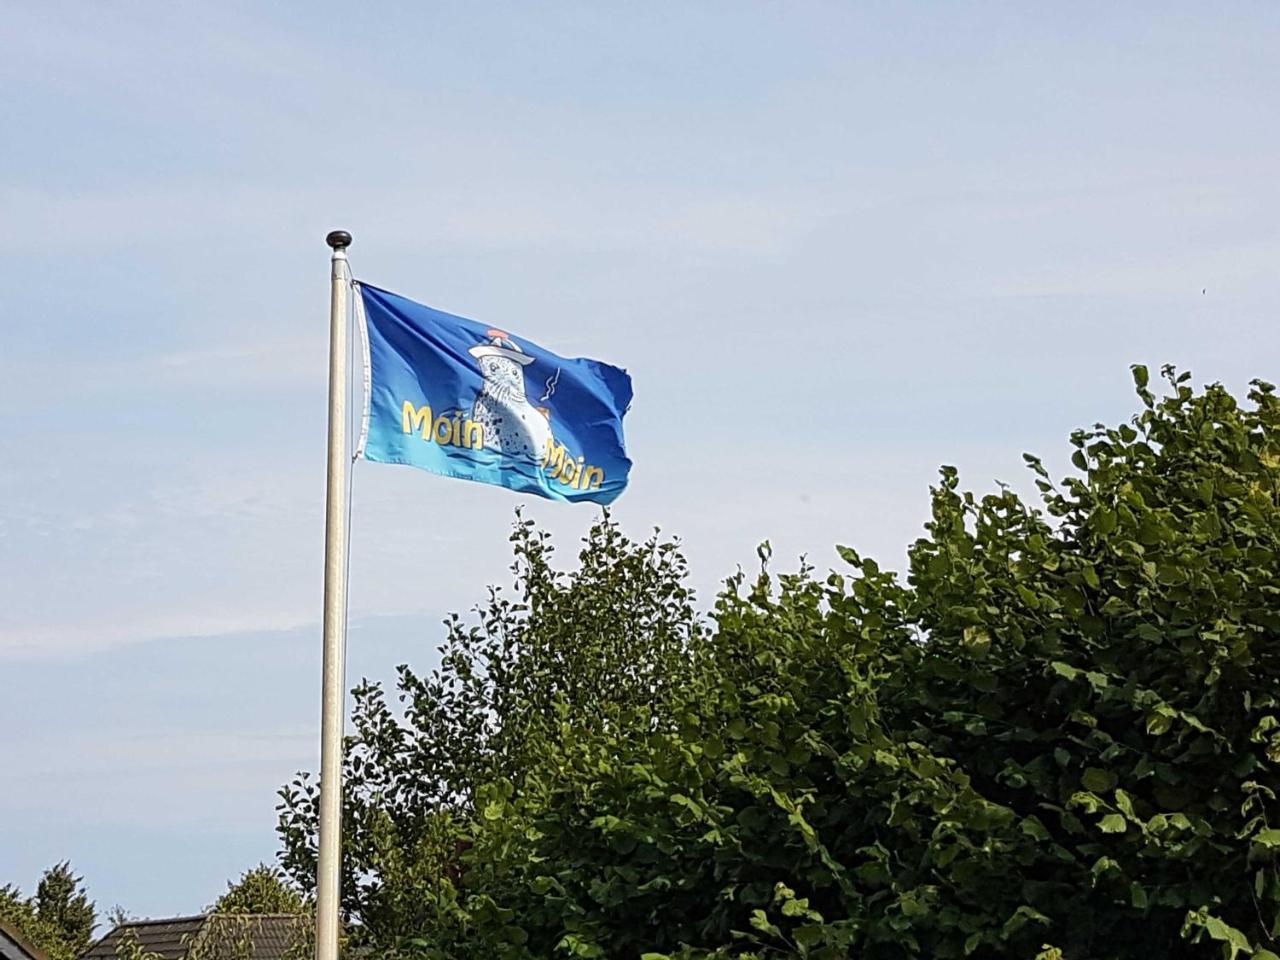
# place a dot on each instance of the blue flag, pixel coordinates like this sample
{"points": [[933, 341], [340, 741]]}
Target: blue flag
{"points": [[465, 400]]}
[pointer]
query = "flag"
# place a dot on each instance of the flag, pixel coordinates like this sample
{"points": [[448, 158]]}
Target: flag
{"points": [[466, 400]]}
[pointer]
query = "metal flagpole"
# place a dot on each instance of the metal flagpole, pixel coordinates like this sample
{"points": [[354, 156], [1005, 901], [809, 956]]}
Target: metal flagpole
{"points": [[335, 612]]}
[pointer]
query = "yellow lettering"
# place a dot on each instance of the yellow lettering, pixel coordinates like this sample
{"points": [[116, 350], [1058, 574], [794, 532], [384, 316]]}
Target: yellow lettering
{"points": [[555, 457], [442, 430], [473, 434], [561, 465], [418, 418]]}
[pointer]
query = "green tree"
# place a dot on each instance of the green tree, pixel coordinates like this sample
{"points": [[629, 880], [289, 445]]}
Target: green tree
{"points": [[59, 919], [1061, 727], [614, 633], [19, 911], [61, 901], [1056, 736], [264, 889]]}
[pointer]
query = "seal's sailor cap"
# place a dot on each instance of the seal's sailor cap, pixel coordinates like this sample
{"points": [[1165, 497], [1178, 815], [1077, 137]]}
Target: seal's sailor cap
{"points": [[501, 345]]}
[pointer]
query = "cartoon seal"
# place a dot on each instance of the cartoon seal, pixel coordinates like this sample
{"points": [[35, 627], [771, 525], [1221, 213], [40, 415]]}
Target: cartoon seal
{"points": [[512, 425]]}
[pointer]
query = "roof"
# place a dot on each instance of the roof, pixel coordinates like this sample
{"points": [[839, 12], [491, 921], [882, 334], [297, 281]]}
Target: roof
{"points": [[263, 936], [14, 947]]}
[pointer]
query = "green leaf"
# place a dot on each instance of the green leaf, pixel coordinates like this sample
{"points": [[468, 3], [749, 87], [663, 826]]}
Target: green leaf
{"points": [[1020, 918], [1160, 720], [1032, 827], [977, 639], [1064, 669], [795, 908], [1104, 521], [1097, 780], [1267, 838], [809, 935], [1103, 866], [760, 921], [1112, 823]]}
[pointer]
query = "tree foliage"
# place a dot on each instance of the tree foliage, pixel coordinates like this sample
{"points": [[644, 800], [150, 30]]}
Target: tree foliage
{"points": [[59, 918], [613, 635], [130, 948], [1056, 736], [228, 936], [263, 889]]}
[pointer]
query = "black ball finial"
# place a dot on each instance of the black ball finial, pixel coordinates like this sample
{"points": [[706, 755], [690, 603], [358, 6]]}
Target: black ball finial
{"points": [[338, 239]]}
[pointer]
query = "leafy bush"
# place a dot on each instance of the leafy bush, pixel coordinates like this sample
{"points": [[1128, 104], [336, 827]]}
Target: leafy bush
{"points": [[1058, 735]]}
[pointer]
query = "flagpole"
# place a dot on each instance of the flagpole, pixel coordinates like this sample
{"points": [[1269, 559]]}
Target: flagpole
{"points": [[328, 875]]}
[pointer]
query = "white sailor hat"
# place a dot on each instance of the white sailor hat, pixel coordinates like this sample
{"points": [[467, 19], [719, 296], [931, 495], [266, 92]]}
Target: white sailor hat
{"points": [[500, 345]]}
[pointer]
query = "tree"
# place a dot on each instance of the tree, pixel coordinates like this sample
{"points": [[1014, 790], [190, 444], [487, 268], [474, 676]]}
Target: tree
{"points": [[59, 919], [1058, 735], [61, 900], [19, 911], [1061, 727], [264, 889], [615, 633]]}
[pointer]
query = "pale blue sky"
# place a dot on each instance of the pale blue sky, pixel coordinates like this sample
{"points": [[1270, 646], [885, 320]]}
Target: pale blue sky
{"points": [[836, 245]]}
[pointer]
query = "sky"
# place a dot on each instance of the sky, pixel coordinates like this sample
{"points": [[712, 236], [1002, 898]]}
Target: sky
{"points": [[836, 245]]}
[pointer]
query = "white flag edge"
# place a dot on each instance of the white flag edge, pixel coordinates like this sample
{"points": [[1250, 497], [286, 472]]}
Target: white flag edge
{"points": [[362, 327]]}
